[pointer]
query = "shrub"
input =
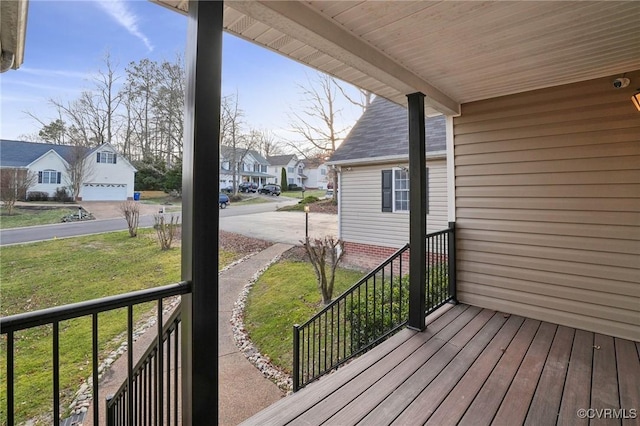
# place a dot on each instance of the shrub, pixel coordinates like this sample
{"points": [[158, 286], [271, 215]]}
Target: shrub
{"points": [[166, 230], [38, 196], [309, 199], [391, 306], [62, 195], [131, 212]]}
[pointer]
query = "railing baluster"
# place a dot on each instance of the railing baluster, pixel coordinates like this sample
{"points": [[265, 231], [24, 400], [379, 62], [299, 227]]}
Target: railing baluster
{"points": [[10, 376], [94, 356], [175, 377], [168, 382], [56, 373], [130, 364], [159, 378]]}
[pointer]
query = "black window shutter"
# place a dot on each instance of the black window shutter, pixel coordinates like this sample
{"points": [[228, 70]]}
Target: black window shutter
{"points": [[98, 157], [387, 190], [59, 176], [114, 158], [39, 177]]}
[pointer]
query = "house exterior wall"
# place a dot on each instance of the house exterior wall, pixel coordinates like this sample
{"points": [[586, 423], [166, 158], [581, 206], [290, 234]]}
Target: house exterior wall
{"points": [[372, 235], [548, 206], [107, 173], [316, 178], [49, 161]]}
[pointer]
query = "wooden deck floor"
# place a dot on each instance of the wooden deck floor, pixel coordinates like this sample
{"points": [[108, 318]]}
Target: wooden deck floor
{"points": [[476, 366]]}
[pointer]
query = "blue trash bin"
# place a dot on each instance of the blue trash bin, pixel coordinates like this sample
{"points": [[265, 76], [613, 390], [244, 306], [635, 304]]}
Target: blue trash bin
{"points": [[136, 196]]}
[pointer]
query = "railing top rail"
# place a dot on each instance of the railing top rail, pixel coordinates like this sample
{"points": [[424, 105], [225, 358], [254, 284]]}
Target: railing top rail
{"points": [[75, 310], [362, 280]]}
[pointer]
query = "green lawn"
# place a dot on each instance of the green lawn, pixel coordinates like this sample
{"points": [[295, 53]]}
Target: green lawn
{"points": [[32, 216], [56, 272], [298, 194], [286, 294]]}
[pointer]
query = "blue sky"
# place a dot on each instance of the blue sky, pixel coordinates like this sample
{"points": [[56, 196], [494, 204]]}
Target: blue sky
{"points": [[66, 42]]}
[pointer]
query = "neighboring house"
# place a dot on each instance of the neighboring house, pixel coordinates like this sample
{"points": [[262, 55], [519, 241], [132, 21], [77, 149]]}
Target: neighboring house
{"points": [[251, 166], [108, 176], [317, 173], [289, 162], [373, 200]]}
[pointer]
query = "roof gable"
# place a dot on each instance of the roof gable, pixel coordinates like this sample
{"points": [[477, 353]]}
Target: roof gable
{"points": [[383, 131]]}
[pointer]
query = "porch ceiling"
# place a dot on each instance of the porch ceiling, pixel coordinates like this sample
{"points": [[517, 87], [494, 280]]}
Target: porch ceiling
{"points": [[454, 52], [13, 25]]}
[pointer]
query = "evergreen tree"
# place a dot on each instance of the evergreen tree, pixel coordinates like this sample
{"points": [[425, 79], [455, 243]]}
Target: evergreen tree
{"points": [[283, 180]]}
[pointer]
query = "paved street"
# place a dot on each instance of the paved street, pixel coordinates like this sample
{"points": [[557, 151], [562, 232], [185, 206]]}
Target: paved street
{"points": [[254, 220]]}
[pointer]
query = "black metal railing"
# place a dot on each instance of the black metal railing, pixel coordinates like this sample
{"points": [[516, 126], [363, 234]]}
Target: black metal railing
{"points": [[373, 309], [150, 392], [53, 316]]}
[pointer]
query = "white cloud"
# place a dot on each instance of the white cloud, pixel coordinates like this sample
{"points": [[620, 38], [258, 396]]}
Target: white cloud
{"points": [[120, 12], [55, 73]]}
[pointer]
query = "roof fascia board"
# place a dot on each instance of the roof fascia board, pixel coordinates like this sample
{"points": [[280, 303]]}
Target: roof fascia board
{"points": [[387, 159], [304, 24]]}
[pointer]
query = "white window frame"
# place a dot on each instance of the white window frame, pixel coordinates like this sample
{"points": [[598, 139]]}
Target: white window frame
{"points": [[107, 157], [49, 173], [400, 186]]}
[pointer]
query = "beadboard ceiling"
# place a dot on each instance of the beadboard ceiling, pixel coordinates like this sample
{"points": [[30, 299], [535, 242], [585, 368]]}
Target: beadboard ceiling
{"points": [[452, 51]]}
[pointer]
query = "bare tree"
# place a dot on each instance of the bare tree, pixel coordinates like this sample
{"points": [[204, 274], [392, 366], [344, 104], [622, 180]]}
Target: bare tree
{"points": [[14, 184], [78, 169], [166, 230], [267, 144], [365, 96], [325, 253], [316, 121], [236, 141]]}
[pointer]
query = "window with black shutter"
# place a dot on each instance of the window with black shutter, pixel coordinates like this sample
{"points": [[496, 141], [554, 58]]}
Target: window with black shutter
{"points": [[389, 185]]}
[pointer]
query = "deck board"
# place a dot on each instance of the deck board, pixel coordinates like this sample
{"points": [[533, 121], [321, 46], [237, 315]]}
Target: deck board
{"points": [[515, 404], [409, 388], [628, 372], [474, 366], [604, 393], [577, 392], [455, 405], [548, 395], [421, 408], [487, 401]]}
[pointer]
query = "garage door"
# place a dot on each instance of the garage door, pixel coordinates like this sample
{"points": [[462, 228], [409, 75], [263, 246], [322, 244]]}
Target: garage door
{"points": [[104, 192]]}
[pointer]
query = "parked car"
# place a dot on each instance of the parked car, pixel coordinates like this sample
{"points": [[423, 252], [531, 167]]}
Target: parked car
{"points": [[223, 200], [227, 189], [248, 187], [270, 189]]}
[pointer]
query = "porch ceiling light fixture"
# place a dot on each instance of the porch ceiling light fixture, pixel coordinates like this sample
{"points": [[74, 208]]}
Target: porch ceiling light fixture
{"points": [[636, 100]]}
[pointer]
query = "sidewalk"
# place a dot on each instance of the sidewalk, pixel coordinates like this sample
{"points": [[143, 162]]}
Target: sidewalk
{"points": [[243, 390]]}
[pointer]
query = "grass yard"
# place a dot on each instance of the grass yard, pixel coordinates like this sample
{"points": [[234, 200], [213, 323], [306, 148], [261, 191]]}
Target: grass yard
{"points": [[286, 294], [320, 193], [33, 215], [57, 272]]}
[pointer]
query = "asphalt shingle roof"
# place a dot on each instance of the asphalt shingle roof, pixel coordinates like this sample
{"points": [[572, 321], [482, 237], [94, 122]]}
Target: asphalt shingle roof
{"points": [[280, 160], [227, 153], [383, 131], [21, 153]]}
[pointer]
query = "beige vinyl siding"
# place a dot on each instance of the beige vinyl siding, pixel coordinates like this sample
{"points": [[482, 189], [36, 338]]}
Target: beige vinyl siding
{"points": [[548, 206], [362, 219]]}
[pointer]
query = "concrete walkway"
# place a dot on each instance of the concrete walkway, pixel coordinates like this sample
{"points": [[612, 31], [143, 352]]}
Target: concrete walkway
{"points": [[243, 390]]}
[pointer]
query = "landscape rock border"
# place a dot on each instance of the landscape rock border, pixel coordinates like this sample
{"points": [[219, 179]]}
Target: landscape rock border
{"points": [[242, 340]]}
